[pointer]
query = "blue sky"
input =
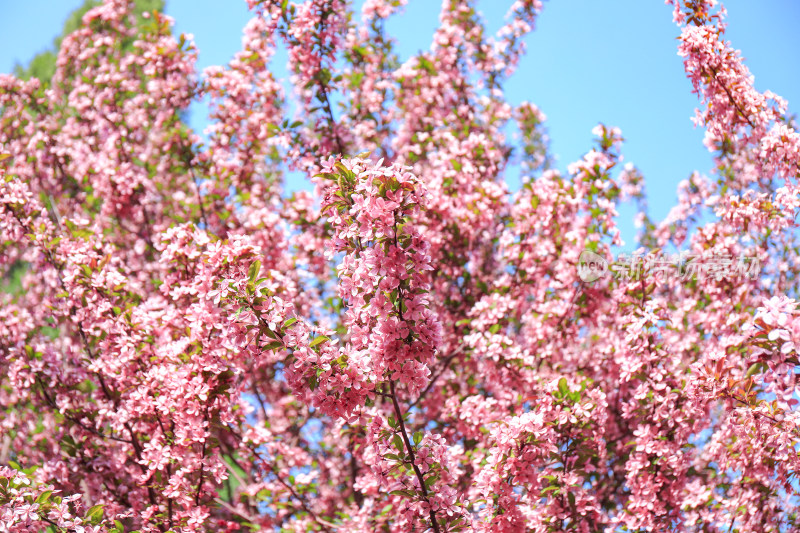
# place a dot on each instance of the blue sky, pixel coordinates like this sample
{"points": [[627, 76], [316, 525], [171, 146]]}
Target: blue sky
{"points": [[588, 61]]}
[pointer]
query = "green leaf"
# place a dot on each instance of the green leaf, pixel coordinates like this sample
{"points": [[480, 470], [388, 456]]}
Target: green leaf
{"points": [[255, 268], [273, 345], [426, 64], [417, 438], [289, 322], [563, 388], [95, 514], [754, 369], [318, 340], [343, 169]]}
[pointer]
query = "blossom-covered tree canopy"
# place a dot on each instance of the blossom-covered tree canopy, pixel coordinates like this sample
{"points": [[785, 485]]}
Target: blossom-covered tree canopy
{"points": [[406, 345]]}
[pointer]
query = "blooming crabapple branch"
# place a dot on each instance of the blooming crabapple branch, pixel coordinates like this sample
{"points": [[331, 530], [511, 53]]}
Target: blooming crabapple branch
{"points": [[319, 351], [52, 403], [315, 73], [281, 340], [410, 450], [324, 524], [700, 17], [378, 203], [399, 413], [126, 158], [772, 419], [323, 89], [730, 96], [58, 267], [24, 503]]}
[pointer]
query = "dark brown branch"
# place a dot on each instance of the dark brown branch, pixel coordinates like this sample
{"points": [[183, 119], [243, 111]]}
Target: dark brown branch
{"points": [[730, 96], [410, 449], [52, 403], [202, 464]]}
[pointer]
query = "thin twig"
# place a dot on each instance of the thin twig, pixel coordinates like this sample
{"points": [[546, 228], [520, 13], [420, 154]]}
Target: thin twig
{"points": [[410, 449], [436, 376]]}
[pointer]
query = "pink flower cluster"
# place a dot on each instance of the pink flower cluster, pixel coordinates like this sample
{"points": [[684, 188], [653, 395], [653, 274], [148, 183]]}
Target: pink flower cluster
{"points": [[384, 273], [28, 506]]}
